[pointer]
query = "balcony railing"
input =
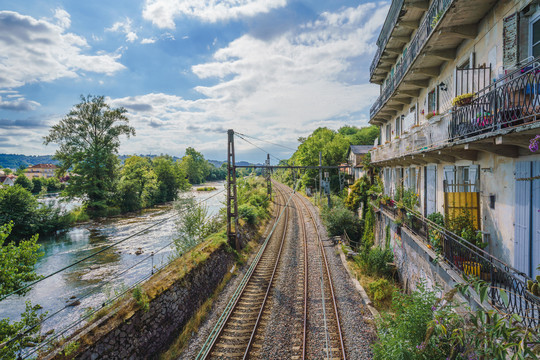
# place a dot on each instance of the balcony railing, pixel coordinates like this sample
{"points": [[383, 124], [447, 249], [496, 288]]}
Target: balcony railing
{"points": [[386, 31], [436, 10], [467, 259], [510, 101]]}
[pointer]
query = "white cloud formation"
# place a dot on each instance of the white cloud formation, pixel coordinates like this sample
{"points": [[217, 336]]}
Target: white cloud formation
{"points": [[37, 50], [126, 28], [278, 89], [16, 102], [163, 12], [148, 41], [63, 19]]}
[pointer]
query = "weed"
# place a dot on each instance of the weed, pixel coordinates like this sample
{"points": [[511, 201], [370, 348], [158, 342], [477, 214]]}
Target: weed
{"points": [[142, 299]]}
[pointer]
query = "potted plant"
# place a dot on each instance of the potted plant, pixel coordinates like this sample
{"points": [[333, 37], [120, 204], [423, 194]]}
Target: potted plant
{"points": [[533, 290], [462, 100], [432, 114]]}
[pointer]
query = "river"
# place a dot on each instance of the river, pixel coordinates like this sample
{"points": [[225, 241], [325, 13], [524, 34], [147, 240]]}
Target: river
{"points": [[93, 281]]}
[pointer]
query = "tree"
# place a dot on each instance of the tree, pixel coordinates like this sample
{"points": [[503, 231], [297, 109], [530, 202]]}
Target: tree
{"points": [[24, 182], [138, 186], [38, 184], [18, 267], [195, 166], [171, 178], [89, 137]]}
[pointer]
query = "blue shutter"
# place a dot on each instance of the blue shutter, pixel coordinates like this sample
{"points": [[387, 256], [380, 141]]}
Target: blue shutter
{"points": [[450, 177], [431, 189], [535, 208], [522, 217], [473, 178]]}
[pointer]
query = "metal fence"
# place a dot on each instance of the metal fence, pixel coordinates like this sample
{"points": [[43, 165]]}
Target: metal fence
{"points": [[468, 259], [510, 101], [472, 80]]}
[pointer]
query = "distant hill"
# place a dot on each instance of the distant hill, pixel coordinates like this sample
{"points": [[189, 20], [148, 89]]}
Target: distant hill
{"points": [[14, 161]]}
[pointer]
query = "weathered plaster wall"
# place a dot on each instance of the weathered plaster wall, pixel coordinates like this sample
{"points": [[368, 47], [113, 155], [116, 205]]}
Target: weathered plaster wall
{"points": [[145, 334]]}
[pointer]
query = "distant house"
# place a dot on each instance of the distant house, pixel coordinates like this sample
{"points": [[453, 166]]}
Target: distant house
{"points": [[41, 170], [7, 180], [355, 154]]}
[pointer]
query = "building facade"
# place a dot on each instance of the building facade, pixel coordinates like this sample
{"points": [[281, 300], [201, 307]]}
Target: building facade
{"points": [[355, 154], [41, 170], [459, 103]]}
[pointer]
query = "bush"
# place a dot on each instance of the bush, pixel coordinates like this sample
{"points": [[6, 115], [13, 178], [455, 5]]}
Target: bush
{"points": [[375, 261], [248, 213], [142, 299], [401, 335], [380, 291], [339, 219]]}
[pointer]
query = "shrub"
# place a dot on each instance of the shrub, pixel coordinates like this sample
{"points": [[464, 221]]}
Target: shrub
{"points": [[339, 219], [380, 291], [142, 299], [248, 213], [375, 261]]}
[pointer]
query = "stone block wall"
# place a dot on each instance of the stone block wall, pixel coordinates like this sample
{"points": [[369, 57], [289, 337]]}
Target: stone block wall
{"points": [[144, 335]]}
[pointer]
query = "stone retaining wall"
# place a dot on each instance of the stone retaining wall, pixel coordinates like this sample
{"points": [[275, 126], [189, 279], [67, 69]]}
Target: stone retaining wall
{"points": [[147, 334]]}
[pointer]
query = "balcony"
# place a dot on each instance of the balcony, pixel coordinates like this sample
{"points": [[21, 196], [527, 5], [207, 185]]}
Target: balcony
{"points": [[446, 24], [506, 104], [468, 260]]}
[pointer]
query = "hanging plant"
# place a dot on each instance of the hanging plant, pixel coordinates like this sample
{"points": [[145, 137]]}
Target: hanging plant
{"points": [[464, 99]]}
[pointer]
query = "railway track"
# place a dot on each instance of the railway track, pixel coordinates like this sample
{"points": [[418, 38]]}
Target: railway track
{"points": [[235, 332], [238, 333]]}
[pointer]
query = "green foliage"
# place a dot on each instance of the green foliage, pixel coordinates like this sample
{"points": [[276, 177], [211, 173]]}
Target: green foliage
{"points": [[17, 263], [24, 182], [29, 217], [339, 219], [463, 225], [191, 224], [360, 136], [358, 194], [138, 186], [195, 166], [71, 348], [88, 139], [171, 178], [380, 290], [248, 213], [368, 237], [437, 218], [38, 184], [401, 334], [142, 298], [375, 260], [252, 192], [410, 199]]}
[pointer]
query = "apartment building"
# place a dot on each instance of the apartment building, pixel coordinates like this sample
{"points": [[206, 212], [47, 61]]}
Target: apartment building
{"points": [[459, 103], [41, 170]]}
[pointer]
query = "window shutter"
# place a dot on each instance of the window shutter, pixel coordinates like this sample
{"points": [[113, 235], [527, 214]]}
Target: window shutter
{"points": [[449, 176], [510, 40], [473, 178]]}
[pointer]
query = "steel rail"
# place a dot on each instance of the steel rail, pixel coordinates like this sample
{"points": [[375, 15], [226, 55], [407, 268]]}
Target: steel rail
{"points": [[344, 166], [329, 279], [256, 325], [231, 305]]}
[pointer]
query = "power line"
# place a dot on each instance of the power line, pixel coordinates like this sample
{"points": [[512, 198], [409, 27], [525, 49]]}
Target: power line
{"points": [[266, 141], [249, 142], [102, 250]]}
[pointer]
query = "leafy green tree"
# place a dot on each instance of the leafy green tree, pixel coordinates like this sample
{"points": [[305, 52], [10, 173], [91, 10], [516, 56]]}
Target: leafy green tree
{"points": [[138, 186], [38, 185], [24, 182], [18, 267], [7, 171], [360, 136], [53, 184], [171, 178], [195, 166], [88, 139]]}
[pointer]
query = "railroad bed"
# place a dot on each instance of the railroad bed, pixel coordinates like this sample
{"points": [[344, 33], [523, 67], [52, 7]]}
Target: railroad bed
{"points": [[275, 311]]}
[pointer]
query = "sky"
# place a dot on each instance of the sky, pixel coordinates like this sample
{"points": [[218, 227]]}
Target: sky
{"points": [[188, 70]]}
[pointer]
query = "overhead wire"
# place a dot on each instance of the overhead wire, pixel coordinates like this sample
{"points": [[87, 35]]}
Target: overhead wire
{"points": [[266, 141], [258, 147]]}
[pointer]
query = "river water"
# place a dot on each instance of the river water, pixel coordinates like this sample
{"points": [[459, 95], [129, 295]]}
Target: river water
{"points": [[95, 280]]}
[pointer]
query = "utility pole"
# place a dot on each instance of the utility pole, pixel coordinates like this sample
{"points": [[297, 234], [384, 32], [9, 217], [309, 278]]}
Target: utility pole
{"points": [[232, 199], [320, 173], [268, 176]]}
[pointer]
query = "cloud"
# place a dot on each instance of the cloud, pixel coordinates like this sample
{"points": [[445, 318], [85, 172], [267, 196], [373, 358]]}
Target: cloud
{"points": [[17, 102], [37, 50], [63, 19], [29, 123], [162, 13], [126, 28], [276, 89], [148, 41]]}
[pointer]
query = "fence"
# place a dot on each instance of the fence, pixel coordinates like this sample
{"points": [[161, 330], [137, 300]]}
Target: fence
{"points": [[510, 101], [469, 260]]}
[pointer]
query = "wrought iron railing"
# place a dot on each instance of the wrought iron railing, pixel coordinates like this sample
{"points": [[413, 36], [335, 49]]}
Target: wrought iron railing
{"points": [[386, 30], [510, 101], [468, 259], [435, 12]]}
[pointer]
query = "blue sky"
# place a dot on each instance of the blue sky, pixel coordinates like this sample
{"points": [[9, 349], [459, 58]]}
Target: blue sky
{"points": [[187, 70]]}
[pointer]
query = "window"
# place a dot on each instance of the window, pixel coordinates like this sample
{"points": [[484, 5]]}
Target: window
{"points": [[432, 101], [534, 36], [399, 120], [388, 132]]}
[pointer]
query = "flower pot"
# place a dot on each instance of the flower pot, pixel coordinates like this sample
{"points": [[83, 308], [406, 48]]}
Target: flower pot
{"points": [[464, 101]]}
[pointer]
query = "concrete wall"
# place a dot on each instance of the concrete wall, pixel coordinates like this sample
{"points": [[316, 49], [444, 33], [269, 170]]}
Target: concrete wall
{"points": [[146, 334]]}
